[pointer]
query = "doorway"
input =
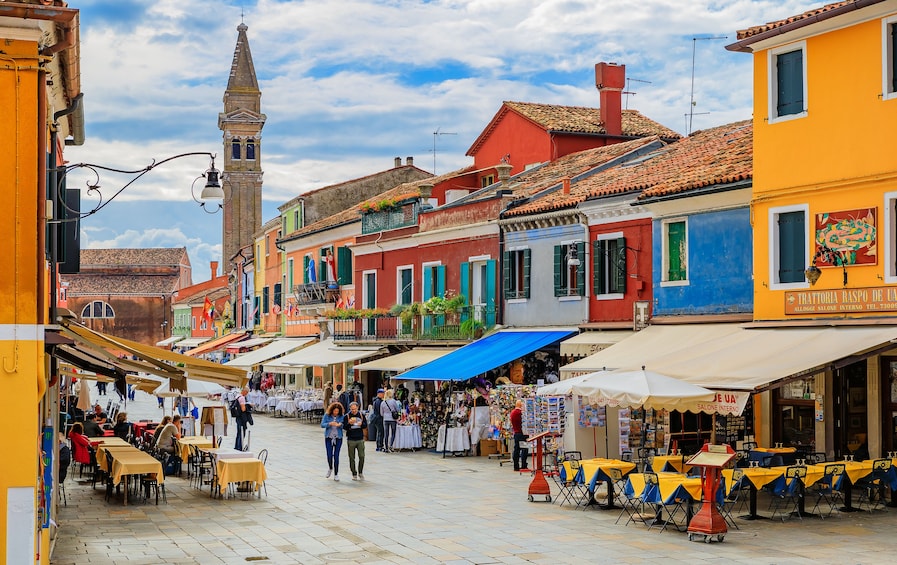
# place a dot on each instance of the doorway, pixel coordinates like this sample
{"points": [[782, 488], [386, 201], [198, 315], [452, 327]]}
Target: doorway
{"points": [[889, 404], [851, 431]]}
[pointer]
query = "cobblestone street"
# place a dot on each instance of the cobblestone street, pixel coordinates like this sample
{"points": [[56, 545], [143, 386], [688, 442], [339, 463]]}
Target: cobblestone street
{"points": [[413, 508]]}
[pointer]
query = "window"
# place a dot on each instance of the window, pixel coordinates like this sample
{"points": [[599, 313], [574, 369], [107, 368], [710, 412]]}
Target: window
{"points": [[405, 283], [675, 251], [278, 294], [267, 243], [788, 256], [256, 313], [296, 224], [889, 58], [290, 274], [569, 269], [235, 150], [432, 280], [787, 82], [609, 265], [487, 180], [193, 323], [516, 273], [265, 300], [344, 265], [328, 271], [250, 149], [97, 310], [889, 242], [204, 325]]}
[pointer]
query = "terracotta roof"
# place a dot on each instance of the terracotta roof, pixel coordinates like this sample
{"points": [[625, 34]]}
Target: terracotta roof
{"points": [[101, 284], [798, 21], [212, 294], [574, 119], [168, 256], [353, 213], [710, 157]]}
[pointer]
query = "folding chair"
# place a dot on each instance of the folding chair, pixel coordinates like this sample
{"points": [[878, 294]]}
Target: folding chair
{"points": [[733, 496], [645, 456], [572, 487], [826, 488], [790, 492], [676, 500], [263, 457], [634, 504], [872, 488]]}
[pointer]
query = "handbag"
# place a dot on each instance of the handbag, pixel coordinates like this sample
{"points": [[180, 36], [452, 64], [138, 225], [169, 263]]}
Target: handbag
{"points": [[395, 413]]}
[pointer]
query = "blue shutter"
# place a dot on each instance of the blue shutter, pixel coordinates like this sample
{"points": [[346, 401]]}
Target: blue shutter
{"points": [[464, 281], [792, 242], [440, 280], [790, 83], [428, 283], [491, 272]]}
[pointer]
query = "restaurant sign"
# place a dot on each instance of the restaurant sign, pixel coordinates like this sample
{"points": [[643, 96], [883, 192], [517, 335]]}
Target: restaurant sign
{"points": [[842, 301]]}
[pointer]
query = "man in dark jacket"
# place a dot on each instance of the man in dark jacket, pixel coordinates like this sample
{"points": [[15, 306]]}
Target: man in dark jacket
{"points": [[354, 423], [377, 420], [91, 428]]}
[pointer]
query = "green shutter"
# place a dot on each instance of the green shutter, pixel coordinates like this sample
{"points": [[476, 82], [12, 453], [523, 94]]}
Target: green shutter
{"points": [[507, 287], [676, 251], [427, 289], [620, 266], [559, 264], [527, 261], [344, 265], [581, 269], [790, 83], [464, 281], [792, 234], [599, 259], [491, 273], [278, 294], [440, 280], [305, 262]]}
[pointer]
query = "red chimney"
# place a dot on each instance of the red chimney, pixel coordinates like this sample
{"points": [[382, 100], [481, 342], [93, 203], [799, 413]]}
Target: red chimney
{"points": [[566, 188], [214, 267], [610, 78]]}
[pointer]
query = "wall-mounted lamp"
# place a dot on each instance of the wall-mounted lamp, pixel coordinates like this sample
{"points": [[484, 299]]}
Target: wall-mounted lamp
{"points": [[828, 255], [572, 256]]}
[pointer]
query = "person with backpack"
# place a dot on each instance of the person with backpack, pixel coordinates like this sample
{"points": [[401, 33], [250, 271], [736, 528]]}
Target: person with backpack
{"points": [[377, 419], [333, 437], [390, 410], [242, 414]]}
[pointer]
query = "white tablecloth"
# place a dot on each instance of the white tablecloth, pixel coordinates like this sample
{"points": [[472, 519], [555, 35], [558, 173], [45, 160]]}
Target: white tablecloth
{"points": [[407, 437], [308, 405], [286, 407], [228, 453], [257, 398], [458, 439]]}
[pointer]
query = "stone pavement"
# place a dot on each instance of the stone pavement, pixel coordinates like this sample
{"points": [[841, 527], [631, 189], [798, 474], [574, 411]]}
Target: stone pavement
{"points": [[414, 508]]}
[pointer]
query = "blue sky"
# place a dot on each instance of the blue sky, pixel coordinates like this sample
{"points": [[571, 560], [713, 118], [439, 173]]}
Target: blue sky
{"points": [[347, 85]]}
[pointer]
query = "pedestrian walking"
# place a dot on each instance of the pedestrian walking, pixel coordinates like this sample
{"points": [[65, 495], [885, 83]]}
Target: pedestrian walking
{"points": [[333, 437], [389, 410], [355, 423], [377, 419]]}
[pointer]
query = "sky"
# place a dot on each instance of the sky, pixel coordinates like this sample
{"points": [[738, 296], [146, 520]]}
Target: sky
{"points": [[348, 85]]}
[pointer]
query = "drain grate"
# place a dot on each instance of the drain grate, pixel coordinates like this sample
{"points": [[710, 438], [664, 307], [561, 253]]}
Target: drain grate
{"points": [[353, 556], [257, 558]]}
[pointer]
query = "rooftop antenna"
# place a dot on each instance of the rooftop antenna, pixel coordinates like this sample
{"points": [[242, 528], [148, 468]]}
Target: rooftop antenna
{"points": [[691, 106], [629, 91], [436, 134], [688, 118]]}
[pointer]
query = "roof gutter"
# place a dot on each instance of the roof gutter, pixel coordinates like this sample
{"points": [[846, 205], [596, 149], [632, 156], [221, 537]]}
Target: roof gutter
{"points": [[710, 189], [744, 46]]}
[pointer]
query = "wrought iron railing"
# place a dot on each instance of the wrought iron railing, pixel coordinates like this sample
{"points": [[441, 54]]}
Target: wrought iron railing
{"points": [[316, 293], [466, 324], [400, 217]]}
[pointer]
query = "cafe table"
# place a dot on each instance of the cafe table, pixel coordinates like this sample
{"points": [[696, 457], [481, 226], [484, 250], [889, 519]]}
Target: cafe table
{"points": [[218, 453], [853, 472], [112, 440], [593, 471], [676, 463], [102, 449], [185, 442], [757, 478], [241, 470], [134, 462], [672, 489], [407, 437]]}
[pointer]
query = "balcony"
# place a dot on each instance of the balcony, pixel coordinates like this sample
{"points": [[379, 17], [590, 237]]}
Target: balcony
{"points": [[316, 293], [463, 326], [391, 219]]}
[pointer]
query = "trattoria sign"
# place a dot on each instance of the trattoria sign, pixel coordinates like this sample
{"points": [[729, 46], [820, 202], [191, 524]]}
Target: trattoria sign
{"points": [[842, 301]]}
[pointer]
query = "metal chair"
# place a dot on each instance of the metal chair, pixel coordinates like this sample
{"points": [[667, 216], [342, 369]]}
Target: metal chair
{"points": [[572, 487], [733, 497], [263, 457], [826, 488], [645, 456], [818, 457], [872, 488], [790, 492], [634, 505]]}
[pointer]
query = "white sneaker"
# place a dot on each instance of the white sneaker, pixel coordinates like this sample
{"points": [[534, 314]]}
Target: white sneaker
{"points": [[360, 477], [329, 472], [354, 477], [336, 478]]}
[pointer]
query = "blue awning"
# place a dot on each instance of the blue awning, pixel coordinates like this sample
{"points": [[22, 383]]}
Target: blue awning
{"points": [[484, 355]]}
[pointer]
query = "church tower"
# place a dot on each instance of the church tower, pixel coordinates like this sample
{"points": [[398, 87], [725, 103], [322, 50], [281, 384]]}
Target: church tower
{"points": [[241, 123]]}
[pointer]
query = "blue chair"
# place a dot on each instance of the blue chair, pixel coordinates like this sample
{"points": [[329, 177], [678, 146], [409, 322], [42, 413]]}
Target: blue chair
{"points": [[788, 493], [827, 488]]}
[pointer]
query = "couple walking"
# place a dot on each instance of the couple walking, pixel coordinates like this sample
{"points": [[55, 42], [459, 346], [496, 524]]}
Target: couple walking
{"points": [[354, 424]]}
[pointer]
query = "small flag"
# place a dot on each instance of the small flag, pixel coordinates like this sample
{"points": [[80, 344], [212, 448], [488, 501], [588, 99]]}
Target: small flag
{"points": [[208, 309], [340, 303], [352, 301]]}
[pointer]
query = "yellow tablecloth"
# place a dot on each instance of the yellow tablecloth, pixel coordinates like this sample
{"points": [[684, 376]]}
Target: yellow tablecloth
{"points": [[101, 453], [758, 476], [677, 462], [134, 462], [668, 483], [185, 442], [856, 470], [111, 440], [241, 470], [778, 450]]}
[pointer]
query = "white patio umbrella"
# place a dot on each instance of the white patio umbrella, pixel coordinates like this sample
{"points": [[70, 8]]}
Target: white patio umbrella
{"points": [[564, 387], [641, 388], [194, 388], [84, 397]]}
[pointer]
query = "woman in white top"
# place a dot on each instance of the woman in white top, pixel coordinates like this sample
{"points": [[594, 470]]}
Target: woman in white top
{"points": [[387, 407]]}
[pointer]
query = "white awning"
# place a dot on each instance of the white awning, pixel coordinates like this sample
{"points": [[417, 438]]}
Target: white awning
{"points": [[404, 361], [192, 342], [588, 343], [320, 354], [271, 351], [169, 340], [247, 343]]}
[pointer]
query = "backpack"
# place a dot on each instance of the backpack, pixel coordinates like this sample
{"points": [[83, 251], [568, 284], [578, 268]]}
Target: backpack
{"points": [[235, 408]]}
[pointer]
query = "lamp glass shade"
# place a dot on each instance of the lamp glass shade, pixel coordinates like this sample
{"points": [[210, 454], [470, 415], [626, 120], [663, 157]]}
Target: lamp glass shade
{"points": [[212, 192], [812, 273]]}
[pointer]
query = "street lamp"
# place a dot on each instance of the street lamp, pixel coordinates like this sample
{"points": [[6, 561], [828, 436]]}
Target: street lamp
{"points": [[829, 255]]}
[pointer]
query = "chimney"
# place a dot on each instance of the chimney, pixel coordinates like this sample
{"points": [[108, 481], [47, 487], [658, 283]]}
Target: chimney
{"points": [[214, 267], [409, 161], [504, 173], [566, 188], [610, 78], [398, 162]]}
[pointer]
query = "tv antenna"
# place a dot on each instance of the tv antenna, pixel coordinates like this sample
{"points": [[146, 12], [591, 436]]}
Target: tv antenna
{"points": [[436, 134], [691, 106], [629, 91]]}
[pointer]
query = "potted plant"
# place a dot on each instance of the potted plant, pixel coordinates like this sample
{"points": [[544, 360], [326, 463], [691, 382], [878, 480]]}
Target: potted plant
{"points": [[472, 328]]}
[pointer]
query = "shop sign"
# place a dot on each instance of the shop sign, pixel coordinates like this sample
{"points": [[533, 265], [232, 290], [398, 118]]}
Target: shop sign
{"points": [[840, 301], [726, 402]]}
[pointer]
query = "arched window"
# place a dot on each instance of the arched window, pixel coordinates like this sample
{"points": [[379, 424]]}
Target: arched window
{"points": [[250, 149], [235, 149], [97, 309]]}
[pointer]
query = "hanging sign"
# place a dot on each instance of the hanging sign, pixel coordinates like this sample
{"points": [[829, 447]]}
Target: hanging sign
{"points": [[726, 403]]}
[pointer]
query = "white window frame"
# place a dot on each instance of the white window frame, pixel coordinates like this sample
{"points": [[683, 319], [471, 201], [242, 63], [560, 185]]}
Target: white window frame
{"points": [[605, 237], [399, 287], [193, 322], [521, 300], [889, 243], [665, 253], [887, 59], [364, 288], [772, 82], [582, 264], [773, 251]]}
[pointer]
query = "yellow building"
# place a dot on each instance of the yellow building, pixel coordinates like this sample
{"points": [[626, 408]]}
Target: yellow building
{"points": [[824, 215], [39, 78]]}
